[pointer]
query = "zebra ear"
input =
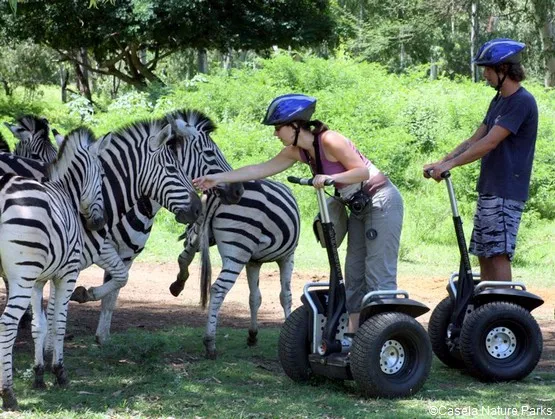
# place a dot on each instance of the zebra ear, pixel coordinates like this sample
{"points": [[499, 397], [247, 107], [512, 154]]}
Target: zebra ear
{"points": [[161, 138], [58, 137], [184, 129], [11, 127], [101, 144]]}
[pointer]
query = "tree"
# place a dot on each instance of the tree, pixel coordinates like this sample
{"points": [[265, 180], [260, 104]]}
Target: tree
{"points": [[25, 65], [139, 33]]}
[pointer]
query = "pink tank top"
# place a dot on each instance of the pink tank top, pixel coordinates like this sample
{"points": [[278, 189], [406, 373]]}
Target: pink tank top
{"points": [[377, 178]]}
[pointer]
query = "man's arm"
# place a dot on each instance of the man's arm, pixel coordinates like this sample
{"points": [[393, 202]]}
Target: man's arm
{"points": [[465, 145], [475, 151]]}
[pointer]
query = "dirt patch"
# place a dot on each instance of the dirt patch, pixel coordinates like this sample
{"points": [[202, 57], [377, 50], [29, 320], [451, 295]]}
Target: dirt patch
{"points": [[146, 302]]}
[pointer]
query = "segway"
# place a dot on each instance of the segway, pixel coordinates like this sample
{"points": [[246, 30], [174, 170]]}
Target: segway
{"points": [[484, 326], [390, 355]]}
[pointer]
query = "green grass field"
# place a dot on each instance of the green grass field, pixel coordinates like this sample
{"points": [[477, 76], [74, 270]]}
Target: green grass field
{"points": [[164, 374]]}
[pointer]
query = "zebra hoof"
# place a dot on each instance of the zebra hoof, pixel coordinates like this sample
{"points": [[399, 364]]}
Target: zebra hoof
{"points": [[38, 383], [80, 294], [252, 340], [61, 376], [9, 402], [210, 346], [177, 286]]}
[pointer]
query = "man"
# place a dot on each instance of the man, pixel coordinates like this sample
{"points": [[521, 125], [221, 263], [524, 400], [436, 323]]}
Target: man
{"points": [[505, 142]]}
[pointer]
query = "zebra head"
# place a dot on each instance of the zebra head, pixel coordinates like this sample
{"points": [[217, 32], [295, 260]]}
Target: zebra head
{"points": [[199, 154], [33, 135], [166, 181], [79, 170]]}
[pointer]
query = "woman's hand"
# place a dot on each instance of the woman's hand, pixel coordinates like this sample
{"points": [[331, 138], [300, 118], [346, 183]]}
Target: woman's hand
{"points": [[206, 182], [318, 181]]}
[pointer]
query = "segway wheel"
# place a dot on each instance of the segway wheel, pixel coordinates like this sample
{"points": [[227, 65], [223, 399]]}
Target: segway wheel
{"points": [[501, 341], [437, 331], [391, 356], [294, 346]]}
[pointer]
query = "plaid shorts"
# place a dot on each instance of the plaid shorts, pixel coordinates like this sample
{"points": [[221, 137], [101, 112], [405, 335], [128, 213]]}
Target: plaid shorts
{"points": [[495, 226]]}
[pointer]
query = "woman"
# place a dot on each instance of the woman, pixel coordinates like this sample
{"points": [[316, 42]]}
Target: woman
{"points": [[374, 223]]}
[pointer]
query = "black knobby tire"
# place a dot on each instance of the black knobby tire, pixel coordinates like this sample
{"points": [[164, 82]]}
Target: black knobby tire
{"points": [[294, 346], [501, 341], [437, 330], [415, 355]]}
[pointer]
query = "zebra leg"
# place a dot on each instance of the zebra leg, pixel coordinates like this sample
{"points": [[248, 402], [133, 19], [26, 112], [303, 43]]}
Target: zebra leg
{"points": [[110, 261], [184, 260], [286, 265], [63, 290], [107, 310], [39, 332], [255, 299], [27, 317], [17, 302], [51, 335], [228, 275]]}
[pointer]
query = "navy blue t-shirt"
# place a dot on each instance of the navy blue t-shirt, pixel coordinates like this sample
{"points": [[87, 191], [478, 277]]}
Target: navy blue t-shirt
{"points": [[506, 170]]}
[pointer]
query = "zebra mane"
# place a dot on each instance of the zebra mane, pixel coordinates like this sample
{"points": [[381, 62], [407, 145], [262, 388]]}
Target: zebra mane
{"points": [[34, 123], [146, 126], [77, 139], [196, 119], [4, 146]]}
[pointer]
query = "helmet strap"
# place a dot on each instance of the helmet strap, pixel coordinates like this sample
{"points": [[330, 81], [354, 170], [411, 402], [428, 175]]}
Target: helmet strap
{"points": [[297, 129]]}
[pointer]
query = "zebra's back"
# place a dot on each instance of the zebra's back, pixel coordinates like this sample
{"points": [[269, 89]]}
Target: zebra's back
{"points": [[264, 223]]}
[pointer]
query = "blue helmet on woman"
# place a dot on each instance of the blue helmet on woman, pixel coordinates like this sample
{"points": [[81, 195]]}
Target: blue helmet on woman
{"points": [[499, 51], [288, 108]]}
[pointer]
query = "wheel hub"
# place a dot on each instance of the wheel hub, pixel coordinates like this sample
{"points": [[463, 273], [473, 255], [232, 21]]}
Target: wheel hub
{"points": [[501, 342], [392, 357]]}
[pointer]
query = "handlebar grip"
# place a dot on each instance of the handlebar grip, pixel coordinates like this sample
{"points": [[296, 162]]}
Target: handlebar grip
{"points": [[444, 175], [307, 181]]}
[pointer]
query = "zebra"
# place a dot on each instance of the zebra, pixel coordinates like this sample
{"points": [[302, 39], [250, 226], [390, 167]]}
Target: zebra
{"points": [[141, 172], [264, 226], [41, 239], [198, 154], [33, 135]]}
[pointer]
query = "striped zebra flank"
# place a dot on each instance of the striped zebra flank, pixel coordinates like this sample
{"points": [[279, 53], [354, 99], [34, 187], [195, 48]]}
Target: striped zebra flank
{"points": [[41, 239], [264, 226]]}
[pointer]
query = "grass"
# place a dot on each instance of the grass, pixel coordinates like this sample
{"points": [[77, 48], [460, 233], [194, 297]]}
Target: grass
{"points": [[164, 374]]}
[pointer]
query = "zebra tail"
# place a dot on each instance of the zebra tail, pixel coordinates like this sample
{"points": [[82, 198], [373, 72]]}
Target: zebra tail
{"points": [[206, 267]]}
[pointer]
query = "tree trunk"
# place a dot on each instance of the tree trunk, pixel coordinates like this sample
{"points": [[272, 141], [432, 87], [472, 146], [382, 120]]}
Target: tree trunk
{"points": [[227, 60], [82, 74], [7, 89], [64, 79], [202, 61], [473, 39], [545, 17]]}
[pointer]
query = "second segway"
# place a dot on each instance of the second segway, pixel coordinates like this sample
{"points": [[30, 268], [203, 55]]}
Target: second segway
{"points": [[485, 326]]}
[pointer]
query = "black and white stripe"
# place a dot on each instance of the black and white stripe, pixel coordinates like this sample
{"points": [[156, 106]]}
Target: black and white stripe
{"points": [[41, 239], [264, 226]]}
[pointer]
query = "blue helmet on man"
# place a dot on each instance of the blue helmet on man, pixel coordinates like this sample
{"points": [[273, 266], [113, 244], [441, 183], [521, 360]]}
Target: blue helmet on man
{"points": [[288, 108], [499, 51]]}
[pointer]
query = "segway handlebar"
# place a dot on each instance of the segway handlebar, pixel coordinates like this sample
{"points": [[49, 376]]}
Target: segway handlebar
{"points": [[444, 175], [307, 181]]}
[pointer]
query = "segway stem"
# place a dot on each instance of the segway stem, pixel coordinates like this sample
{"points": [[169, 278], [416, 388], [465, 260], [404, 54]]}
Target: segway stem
{"points": [[465, 284], [336, 295]]}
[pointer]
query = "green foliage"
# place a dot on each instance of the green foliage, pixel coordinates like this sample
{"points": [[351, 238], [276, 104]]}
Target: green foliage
{"points": [[400, 122], [25, 65]]}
